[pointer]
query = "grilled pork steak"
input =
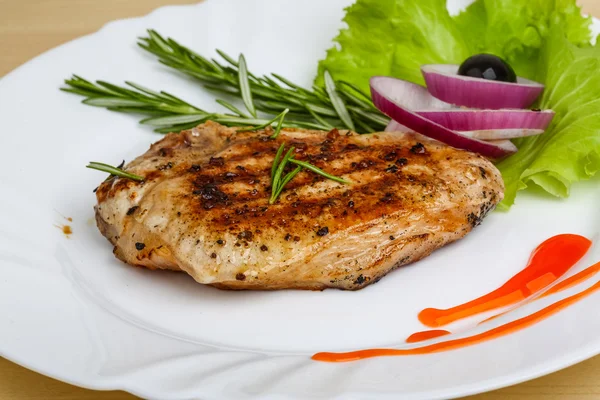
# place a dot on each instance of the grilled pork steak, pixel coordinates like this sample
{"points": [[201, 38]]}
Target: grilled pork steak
{"points": [[204, 207]]}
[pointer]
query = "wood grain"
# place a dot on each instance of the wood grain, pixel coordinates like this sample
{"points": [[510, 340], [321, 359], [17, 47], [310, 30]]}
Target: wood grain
{"points": [[30, 27]]}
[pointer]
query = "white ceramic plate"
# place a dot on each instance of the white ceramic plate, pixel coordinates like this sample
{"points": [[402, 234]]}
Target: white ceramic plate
{"points": [[70, 310]]}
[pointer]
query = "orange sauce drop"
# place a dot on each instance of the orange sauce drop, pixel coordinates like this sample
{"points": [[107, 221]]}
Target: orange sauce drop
{"points": [[463, 342], [426, 335], [550, 261]]}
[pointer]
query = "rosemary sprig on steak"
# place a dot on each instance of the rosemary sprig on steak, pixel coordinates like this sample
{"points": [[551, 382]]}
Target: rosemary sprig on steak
{"points": [[114, 171], [279, 180]]}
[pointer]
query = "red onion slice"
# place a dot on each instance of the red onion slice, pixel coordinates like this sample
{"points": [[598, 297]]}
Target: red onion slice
{"points": [[445, 84], [506, 145], [387, 91], [418, 99], [477, 120], [501, 134], [486, 134]]}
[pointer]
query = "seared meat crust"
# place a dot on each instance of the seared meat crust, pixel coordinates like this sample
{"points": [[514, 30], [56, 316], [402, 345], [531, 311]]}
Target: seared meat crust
{"points": [[204, 209]]}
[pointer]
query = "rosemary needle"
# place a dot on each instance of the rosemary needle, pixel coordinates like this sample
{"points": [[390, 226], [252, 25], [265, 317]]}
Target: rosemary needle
{"points": [[245, 90], [114, 171], [276, 182], [317, 170], [276, 160], [337, 102], [279, 119]]}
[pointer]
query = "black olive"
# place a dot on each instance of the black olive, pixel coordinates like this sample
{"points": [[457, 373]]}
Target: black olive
{"points": [[488, 66]]}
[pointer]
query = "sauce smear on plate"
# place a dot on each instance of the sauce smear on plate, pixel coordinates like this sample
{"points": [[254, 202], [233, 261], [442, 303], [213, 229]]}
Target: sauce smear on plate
{"points": [[426, 335], [463, 342], [549, 262]]}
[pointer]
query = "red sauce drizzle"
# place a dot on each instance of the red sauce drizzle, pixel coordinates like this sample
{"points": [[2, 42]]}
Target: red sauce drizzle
{"points": [[550, 261], [426, 335], [471, 340]]}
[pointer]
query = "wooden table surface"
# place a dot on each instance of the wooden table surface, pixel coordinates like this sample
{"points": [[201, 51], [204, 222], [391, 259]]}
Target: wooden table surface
{"points": [[30, 27]]}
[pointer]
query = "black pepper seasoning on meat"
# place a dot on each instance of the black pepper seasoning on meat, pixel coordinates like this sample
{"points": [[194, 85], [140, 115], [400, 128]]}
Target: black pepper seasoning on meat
{"points": [[390, 156], [165, 167], [132, 210], [263, 248], [246, 235], [323, 231], [387, 198], [217, 161], [230, 175], [418, 149], [140, 246], [483, 172]]}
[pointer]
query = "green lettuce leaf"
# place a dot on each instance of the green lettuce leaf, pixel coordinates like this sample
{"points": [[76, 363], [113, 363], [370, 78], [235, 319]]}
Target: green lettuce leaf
{"points": [[569, 151], [544, 40], [517, 29], [396, 37]]}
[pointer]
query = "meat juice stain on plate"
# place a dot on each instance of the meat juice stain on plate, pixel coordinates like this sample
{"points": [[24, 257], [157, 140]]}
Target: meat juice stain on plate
{"points": [[555, 256], [66, 229], [549, 262]]}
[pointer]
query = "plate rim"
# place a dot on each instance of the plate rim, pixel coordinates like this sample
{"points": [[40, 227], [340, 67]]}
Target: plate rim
{"points": [[522, 375]]}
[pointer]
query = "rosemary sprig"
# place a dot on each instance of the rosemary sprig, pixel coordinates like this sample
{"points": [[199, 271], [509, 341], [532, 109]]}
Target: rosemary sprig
{"points": [[279, 181], [114, 171], [168, 113], [340, 104]]}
